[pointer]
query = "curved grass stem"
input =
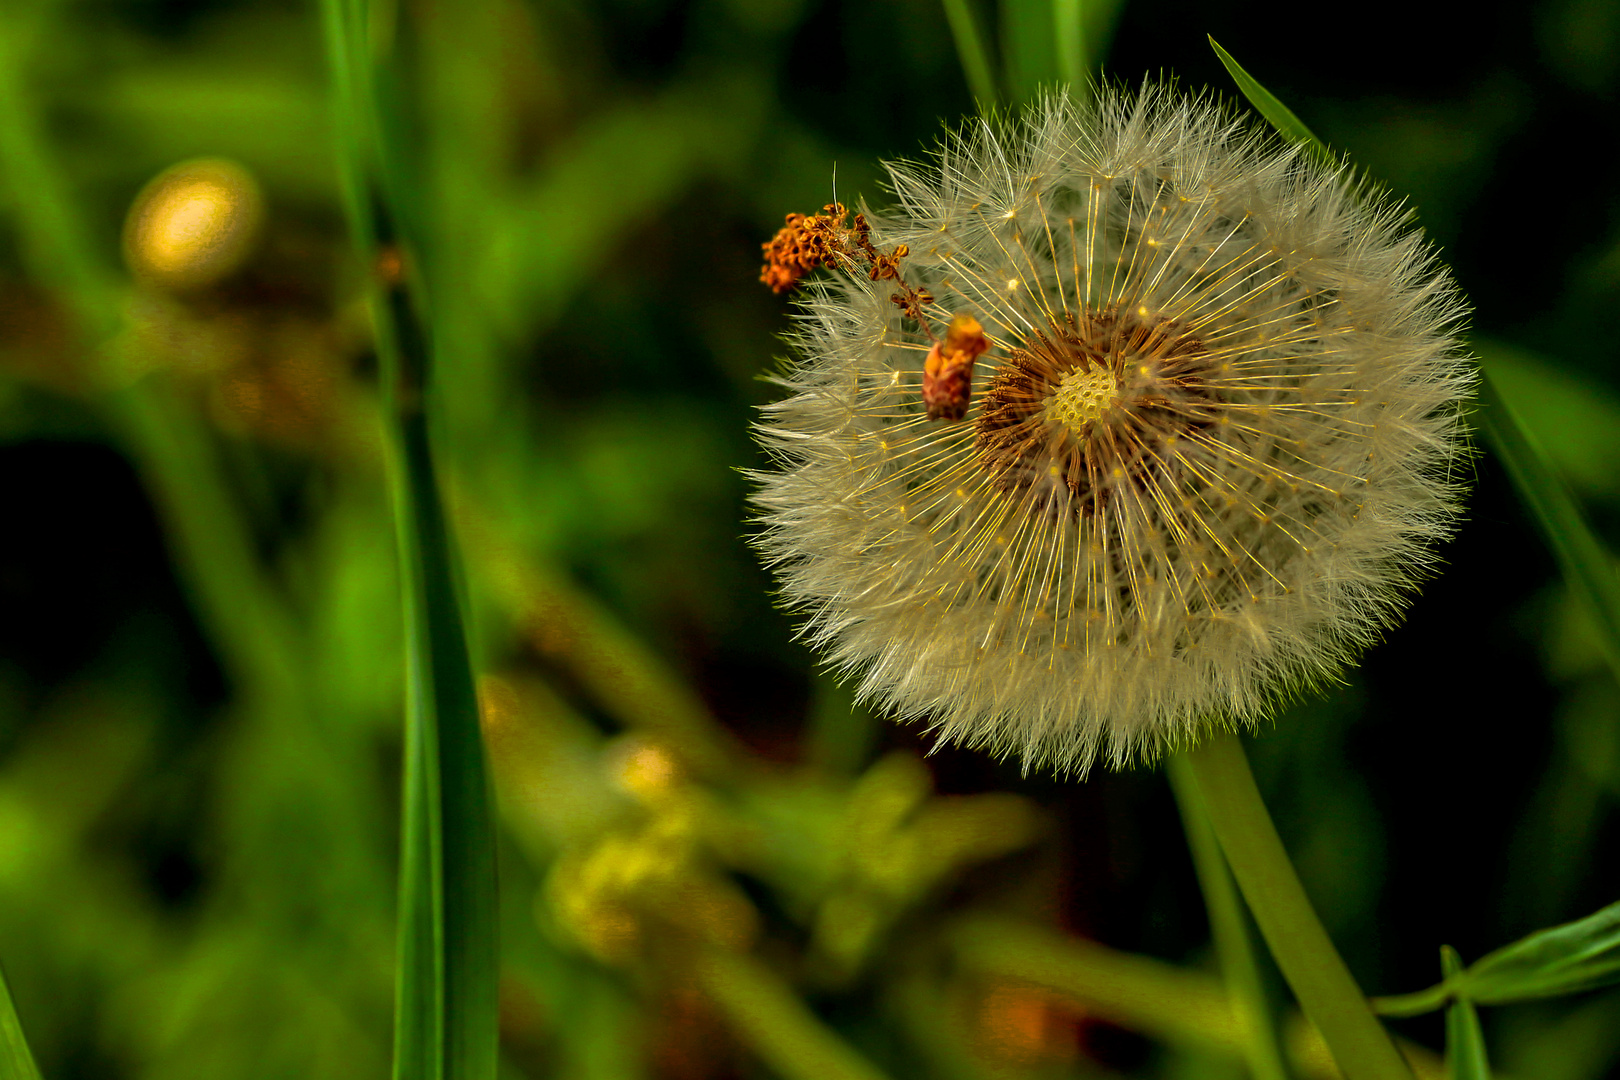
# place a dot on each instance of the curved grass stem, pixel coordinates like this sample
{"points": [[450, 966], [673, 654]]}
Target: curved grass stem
{"points": [[1232, 942], [1313, 968]]}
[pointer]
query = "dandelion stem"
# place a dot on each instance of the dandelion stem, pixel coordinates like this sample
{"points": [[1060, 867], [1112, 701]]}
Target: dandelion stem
{"points": [[1226, 925], [1313, 968]]}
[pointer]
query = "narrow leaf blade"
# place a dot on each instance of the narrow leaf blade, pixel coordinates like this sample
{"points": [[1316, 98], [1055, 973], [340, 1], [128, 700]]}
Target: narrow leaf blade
{"points": [[1266, 104], [16, 1061], [1585, 563], [448, 720]]}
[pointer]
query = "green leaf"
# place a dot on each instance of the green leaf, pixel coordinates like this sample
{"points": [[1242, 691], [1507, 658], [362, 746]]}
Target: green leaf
{"points": [[970, 48], [1266, 104], [16, 1063], [1585, 562], [1465, 1042], [1565, 959], [1183, 1007]]}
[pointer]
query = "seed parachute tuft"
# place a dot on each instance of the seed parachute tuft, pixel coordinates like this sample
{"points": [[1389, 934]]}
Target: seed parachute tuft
{"points": [[1125, 421]]}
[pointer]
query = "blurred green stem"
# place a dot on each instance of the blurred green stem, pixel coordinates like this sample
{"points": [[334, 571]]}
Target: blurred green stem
{"points": [[1186, 1008], [1227, 927], [246, 619], [841, 733], [1465, 1041], [1071, 43], [769, 1018], [921, 1005], [971, 51], [55, 240], [1313, 968], [622, 675]]}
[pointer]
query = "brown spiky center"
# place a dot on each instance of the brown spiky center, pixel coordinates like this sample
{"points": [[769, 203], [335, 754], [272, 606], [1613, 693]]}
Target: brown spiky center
{"points": [[1093, 401]]}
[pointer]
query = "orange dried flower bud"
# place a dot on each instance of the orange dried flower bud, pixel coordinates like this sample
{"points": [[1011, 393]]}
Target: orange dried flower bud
{"points": [[948, 371], [965, 335]]}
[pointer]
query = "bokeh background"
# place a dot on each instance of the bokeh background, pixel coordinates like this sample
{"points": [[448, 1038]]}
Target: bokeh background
{"points": [[712, 867]]}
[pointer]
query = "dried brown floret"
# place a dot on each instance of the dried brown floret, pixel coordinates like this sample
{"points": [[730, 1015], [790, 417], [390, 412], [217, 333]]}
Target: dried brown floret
{"points": [[808, 241], [948, 371]]}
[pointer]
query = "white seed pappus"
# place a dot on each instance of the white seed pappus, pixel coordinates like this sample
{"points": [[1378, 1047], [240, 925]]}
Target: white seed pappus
{"points": [[1210, 450]]}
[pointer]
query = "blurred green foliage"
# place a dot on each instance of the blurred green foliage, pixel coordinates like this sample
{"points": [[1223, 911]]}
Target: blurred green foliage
{"points": [[710, 865]]}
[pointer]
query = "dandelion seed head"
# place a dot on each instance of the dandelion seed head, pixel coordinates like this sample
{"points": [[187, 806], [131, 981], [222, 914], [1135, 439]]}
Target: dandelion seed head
{"points": [[1194, 461]]}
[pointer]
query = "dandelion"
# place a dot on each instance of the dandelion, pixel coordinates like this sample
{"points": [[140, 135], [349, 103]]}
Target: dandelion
{"points": [[1153, 424]]}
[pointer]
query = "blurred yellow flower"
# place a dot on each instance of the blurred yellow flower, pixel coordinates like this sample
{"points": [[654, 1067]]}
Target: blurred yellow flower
{"points": [[193, 224]]}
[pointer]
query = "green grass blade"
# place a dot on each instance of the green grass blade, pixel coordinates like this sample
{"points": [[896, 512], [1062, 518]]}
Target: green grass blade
{"points": [[970, 49], [448, 954], [55, 239], [1045, 43], [16, 1061], [1465, 1042], [1416, 1004], [1585, 563], [1266, 104]]}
